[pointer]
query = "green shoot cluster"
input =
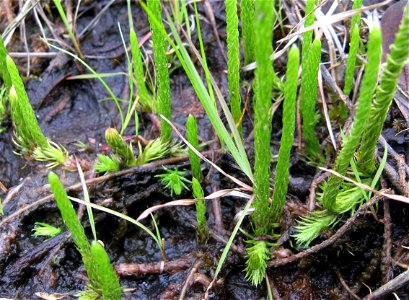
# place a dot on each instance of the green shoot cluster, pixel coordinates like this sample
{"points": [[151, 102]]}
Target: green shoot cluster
{"points": [[103, 279], [174, 180], [161, 68], [353, 49]]}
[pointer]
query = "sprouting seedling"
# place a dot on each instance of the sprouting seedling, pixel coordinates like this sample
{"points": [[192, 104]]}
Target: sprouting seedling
{"points": [[102, 277], [121, 149], [106, 164], [202, 230], [174, 180], [256, 263], [28, 135], [44, 229]]}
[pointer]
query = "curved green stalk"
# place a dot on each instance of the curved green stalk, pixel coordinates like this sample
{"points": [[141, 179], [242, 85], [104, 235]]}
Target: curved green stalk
{"points": [[233, 60], [247, 19], [161, 68], [287, 138], [309, 94], [262, 114], [361, 116], [384, 95]]}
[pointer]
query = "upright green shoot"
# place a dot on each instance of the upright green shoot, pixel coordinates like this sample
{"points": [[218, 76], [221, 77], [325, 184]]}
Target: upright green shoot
{"points": [[198, 193], [122, 150], [287, 138], [73, 224], [145, 98], [161, 68], [191, 136], [233, 60], [307, 36], [109, 280], [361, 116], [96, 261], [353, 48], [395, 62], [247, 19], [309, 94], [264, 20]]}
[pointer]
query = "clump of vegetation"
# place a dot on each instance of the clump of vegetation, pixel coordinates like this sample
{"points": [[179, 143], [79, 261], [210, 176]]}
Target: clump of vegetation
{"points": [[44, 229], [174, 180], [104, 281]]}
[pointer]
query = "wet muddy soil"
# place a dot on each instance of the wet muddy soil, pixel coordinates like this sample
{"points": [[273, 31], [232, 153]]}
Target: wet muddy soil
{"points": [[71, 110]]}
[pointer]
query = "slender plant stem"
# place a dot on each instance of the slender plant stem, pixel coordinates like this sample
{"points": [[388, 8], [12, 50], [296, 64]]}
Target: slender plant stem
{"points": [[247, 20], [264, 19], [287, 138], [161, 68], [233, 60], [361, 116], [384, 95]]}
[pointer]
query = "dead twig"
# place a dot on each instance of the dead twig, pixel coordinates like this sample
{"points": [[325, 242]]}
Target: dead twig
{"points": [[189, 280], [391, 286]]}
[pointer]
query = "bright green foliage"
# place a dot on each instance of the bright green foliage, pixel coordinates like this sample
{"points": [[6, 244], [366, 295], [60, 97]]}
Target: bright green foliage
{"points": [[44, 229], [287, 139], [191, 135], [109, 280], [21, 110], [262, 113], [353, 48], [161, 68], [202, 230], [1, 207], [247, 19], [256, 263], [3, 98], [73, 224], [307, 36], [4, 73], [121, 149], [233, 60], [384, 94], [174, 180], [145, 97], [103, 279], [360, 121], [156, 149], [309, 90], [310, 227], [106, 164]]}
